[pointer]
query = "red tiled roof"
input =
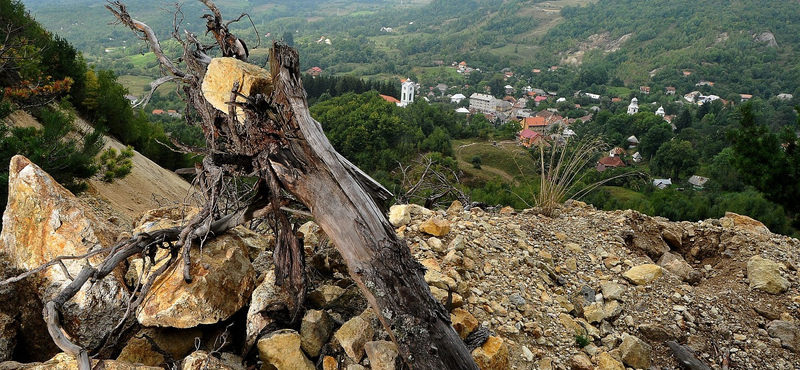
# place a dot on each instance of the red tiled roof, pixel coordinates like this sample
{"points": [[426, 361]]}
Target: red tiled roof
{"points": [[390, 99], [611, 162], [534, 122], [539, 98]]}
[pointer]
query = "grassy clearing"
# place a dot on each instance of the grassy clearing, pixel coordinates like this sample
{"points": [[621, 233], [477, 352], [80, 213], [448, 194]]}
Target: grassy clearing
{"points": [[134, 84], [503, 162], [141, 60], [624, 195]]}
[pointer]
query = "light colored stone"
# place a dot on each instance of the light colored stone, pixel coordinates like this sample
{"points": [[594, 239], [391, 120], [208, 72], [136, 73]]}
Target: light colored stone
{"points": [[571, 325], [266, 294], [643, 274], [463, 322], [399, 215], [492, 355], [435, 226], [765, 275], [743, 223], [324, 295], [315, 330], [353, 335], [63, 361], [607, 362], [594, 312], [223, 279], [381, 354], [580, 362], [787, 332], [678, 266], [312, 234], [200, 360], [220, 77], [456, 208], [281, 350], [635, 352], [612, 310], [612, 290], [435, 244], [42, 221]]}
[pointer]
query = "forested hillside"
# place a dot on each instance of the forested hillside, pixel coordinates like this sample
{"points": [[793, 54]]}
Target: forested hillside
{"points": [[727, 42]]}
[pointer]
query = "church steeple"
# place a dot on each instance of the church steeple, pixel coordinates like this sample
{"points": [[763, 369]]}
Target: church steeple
{"points": [[633, 108]]}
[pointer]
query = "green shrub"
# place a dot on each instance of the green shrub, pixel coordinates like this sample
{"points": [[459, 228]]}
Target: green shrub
{"points": [[116, 166]]}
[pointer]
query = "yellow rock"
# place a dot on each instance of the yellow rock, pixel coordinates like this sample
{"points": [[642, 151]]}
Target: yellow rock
{"points": [[222, 73], [606, 362], [492, 355], [281, 351], [435, 226], [463, 322], [643, 274]]}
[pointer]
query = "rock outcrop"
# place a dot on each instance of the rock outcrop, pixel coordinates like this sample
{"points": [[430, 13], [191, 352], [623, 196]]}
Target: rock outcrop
{"points": [[43, 221]]}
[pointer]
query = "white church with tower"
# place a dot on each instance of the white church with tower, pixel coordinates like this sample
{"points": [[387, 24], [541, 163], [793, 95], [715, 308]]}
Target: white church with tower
{"points": [[633, 108], [406, 93]]}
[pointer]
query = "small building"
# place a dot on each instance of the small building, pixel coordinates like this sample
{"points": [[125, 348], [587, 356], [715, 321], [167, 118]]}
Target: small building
{"points": [[633, 107], [644, 90], [662, 183], [592, 96], [314, 71], [609, 162], [457, 98], [637, 157], [660, 111], [529, 138], [745, 97], [633, 141], [462, 110], [616, 152], [785, 96], [670, 90], [698, 182], [538, 124]]}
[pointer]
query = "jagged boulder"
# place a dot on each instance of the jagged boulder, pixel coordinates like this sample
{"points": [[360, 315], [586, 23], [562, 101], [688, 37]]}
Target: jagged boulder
{"points": [[42, 221], [223, 279], [492, 355], [281, 350], [765, 275], [220, 77], [264, 296]]}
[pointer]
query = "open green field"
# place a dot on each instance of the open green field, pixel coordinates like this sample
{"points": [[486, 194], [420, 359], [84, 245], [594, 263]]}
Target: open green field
{"points": [[134, 84], [506, 161]]}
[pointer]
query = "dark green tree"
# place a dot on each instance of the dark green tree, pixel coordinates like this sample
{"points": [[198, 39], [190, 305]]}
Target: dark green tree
{"points": [[768, 161], [675, 159]]}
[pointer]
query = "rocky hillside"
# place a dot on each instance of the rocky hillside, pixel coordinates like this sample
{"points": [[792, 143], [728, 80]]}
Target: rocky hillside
{"points": [[584, 290]]}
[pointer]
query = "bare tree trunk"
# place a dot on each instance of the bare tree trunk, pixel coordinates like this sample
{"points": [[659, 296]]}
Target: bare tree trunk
{"points": [[382, 265]]}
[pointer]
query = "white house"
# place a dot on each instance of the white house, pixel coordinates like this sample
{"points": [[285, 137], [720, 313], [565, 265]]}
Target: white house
{"points": [[660, 111], [662, 183], [457, 98]]}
